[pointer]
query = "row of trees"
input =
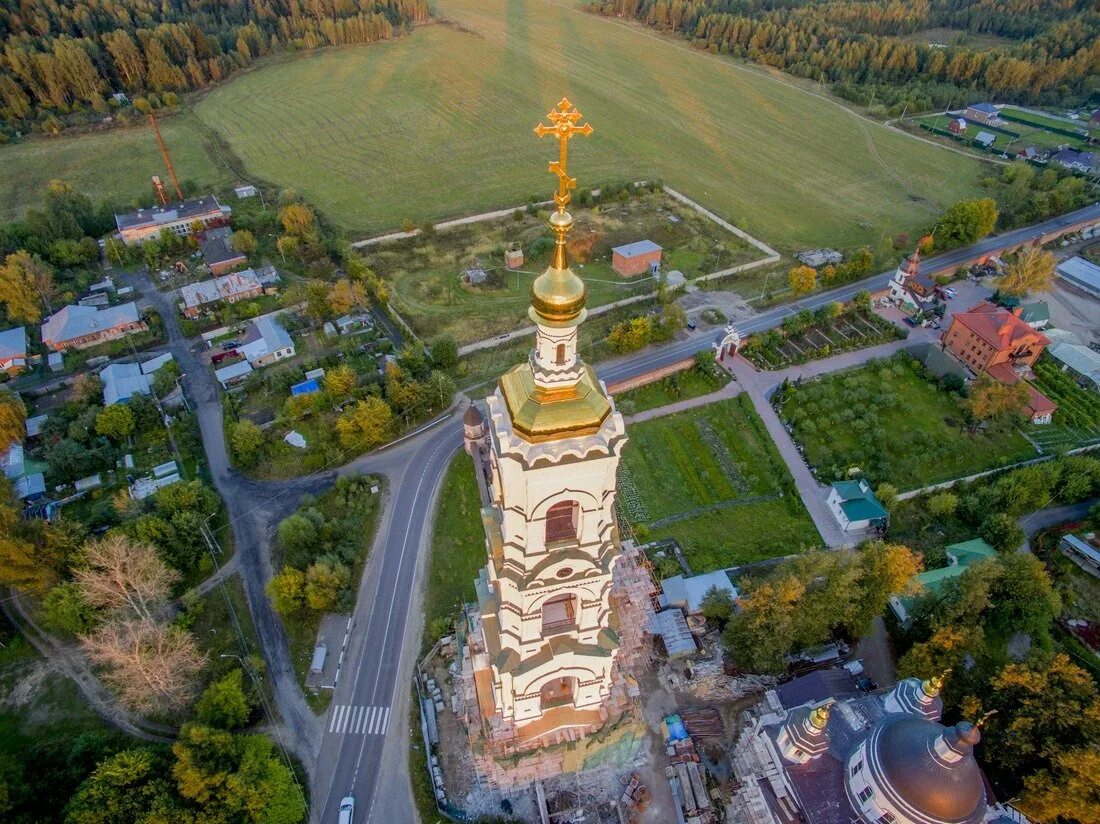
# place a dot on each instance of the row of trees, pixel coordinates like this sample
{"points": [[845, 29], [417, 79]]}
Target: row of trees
{"points": [[855, 45], [808, 600], [66, 61]]}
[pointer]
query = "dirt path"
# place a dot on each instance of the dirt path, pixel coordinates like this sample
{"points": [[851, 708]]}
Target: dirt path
{"points": [[67, 660]]}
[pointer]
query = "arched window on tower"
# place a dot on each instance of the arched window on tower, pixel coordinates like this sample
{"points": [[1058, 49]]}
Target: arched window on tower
{"points": [[559, 614], [557, 693], [561, 521], [560, 358]]}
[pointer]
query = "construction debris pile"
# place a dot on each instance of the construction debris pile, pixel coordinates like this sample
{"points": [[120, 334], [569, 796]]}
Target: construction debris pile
{"points": [[707, 679], [686, 776]]}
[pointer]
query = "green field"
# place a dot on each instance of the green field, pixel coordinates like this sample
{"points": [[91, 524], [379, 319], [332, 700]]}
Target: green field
{"points": [[712, 479], [425, 273], [113, 165], [690, 383], [439, 124], [458, 546], [895, 426]]}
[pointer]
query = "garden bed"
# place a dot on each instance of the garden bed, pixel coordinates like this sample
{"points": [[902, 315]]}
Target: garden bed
{"points": [[712, 479], [809, 336]]}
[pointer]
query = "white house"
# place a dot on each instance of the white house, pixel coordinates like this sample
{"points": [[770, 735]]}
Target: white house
{"points": [[909, 287], [855, 506], [266, 342]]}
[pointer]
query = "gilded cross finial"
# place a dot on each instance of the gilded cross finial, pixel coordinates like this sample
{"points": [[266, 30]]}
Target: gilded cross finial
{"points": [[564, 119]]}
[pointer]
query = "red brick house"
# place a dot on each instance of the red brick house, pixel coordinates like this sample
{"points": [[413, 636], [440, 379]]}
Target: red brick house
{"points": [[994, 340], [635, 258], [78, 327]]}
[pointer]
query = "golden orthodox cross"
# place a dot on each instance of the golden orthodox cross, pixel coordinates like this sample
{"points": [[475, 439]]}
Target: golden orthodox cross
{"points": [[564, 118]]}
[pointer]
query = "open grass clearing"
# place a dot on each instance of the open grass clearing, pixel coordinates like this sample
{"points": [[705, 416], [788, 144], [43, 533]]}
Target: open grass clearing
{"points": [[458, 549], [438, 125], [425, 274], [889, 421], [712, 479], [113, 165], [702, 379]]}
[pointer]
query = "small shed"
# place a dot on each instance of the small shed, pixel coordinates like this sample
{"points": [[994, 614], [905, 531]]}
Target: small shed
{"points": [[245, 191], [688, 593], [317, 665], [985, 139], [633, 259], [233, 374], [55, 362], [513, 258], [475, 276], [295, 439], [672, 627], [305, 388]]}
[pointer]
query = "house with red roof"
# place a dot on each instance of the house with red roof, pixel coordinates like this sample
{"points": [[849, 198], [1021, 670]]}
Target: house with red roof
{"points": [[996, 341]]}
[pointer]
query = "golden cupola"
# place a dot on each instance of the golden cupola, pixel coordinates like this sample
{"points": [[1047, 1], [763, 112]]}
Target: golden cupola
{"points": [[555, 395]]}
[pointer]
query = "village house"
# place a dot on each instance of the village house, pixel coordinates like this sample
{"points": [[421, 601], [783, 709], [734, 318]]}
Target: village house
{"points": [[982, 112], [957, 126], [1036, 315], [229, 288], [266, 342], [121, 381], [135, 228], [13, 350], [636, 258], [220, 256], [960, 557], [1076, 161], [994, 340], [911, 289], [855, 506], [78, 327]]}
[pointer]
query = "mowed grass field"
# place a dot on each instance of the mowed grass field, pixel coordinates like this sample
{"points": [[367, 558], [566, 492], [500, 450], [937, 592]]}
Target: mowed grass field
{"points": [[439, 124], [114, 165]]}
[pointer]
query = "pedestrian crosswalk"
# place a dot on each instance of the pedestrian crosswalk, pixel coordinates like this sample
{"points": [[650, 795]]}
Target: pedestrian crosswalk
{"points": [[350, 719]]}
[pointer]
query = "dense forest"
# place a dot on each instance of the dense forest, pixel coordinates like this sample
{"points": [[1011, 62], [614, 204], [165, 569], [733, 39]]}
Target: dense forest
{"points": [[63, 61], [869, 50]]}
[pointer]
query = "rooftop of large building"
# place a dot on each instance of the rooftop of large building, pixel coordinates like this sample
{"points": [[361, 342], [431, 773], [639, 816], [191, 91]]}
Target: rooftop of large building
{"points": [[191, 208]]}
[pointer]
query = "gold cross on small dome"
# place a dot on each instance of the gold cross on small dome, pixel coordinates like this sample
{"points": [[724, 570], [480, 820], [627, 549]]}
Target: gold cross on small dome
{"points": [[564, 118]]}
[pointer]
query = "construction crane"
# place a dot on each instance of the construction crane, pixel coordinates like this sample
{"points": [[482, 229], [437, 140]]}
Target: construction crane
{"points": [[164, 153], [158, 189]]}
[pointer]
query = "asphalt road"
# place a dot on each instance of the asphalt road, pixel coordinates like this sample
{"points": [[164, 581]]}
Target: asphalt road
{"points": [[364, 747]]}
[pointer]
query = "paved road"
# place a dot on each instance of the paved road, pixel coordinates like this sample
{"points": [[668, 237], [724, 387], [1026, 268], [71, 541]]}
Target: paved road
{"points": [[365, 744]]}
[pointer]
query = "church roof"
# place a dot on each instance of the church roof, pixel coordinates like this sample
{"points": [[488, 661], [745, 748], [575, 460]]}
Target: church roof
{"points": [[541, 415], [905, 754], [473, 416]]}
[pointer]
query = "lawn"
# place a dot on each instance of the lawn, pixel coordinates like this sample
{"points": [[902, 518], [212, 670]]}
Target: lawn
{"points": [[691, 383], [438, 124], [712, 479], [458, 546], [114, 165], [425, 273], [887, 420]]}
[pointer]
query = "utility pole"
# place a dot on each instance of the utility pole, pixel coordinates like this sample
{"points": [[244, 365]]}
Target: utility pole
{"points": [[164, 153]]}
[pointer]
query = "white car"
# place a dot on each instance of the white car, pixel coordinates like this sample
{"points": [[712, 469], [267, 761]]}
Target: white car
{"points": [[347, 810]]}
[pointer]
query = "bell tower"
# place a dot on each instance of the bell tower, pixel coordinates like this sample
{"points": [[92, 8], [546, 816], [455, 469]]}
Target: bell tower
{"points": [[546, 614]]}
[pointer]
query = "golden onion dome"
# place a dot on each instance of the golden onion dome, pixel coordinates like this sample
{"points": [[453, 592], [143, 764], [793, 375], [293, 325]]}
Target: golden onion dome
{"points": [[558, 295]]}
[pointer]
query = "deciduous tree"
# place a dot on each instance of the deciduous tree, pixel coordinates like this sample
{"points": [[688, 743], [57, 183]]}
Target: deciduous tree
{"points": [[340, 381], [1032, 271], [989, 398], [125, 577], [224, 704], [13, 420], [287, 590], [325, 584], [802, 279], [151, 666], [761, 634], [346, 295], [966, 222], [26, 286], [244, 241], [246, 440], [297, 219], [20, 564], [364, 425], [115, 422]]}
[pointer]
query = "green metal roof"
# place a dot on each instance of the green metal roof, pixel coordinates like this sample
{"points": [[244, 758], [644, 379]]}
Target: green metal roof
{"points": [[1033, 312], [859, 504], [965, 554]]}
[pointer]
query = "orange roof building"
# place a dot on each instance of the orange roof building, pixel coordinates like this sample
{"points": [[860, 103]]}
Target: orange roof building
{"points": [[986, 335], [996, 341]]}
